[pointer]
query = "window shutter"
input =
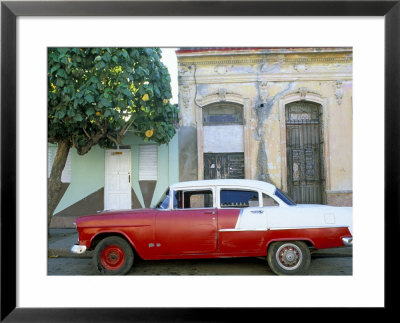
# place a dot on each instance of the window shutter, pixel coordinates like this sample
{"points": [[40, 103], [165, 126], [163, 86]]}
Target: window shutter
{"points": [[147, 162], [66, 174]]}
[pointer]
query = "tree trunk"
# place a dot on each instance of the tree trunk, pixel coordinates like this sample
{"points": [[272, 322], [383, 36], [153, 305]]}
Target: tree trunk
{"points": [[54, 185]]}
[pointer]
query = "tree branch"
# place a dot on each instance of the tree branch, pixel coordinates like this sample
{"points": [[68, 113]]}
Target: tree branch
{"points": [[91, 142], [102, 129], [126, 127], [87, 135], [116, 141]]}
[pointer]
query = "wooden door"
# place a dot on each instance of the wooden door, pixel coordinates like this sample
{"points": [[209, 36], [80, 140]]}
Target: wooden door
{"points": [[117, 188], [304, 152]]}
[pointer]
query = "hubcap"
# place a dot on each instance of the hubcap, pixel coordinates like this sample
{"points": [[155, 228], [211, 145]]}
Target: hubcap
{"points": [[289, 256], [112, 257]]}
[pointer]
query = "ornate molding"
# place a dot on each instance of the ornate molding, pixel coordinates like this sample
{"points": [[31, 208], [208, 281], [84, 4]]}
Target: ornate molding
{"points": [[221, 95], [222, 69], [185, 95], [251, 61], [264, 91], [303, 94], [301, 68], [185, 70], [270, 77], [338, 88], [266, 67]]}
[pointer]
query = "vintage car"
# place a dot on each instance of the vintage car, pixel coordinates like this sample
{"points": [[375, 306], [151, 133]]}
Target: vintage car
{"points": [[215, 219]]}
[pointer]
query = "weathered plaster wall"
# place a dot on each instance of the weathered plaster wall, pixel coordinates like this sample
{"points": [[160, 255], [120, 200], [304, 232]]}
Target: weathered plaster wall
{"points": [[187, 153], [263, 81]]}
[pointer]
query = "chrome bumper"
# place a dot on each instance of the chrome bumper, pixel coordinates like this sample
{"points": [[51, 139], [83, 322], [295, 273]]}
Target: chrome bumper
{"points": [[347, 241], [78, 249]]}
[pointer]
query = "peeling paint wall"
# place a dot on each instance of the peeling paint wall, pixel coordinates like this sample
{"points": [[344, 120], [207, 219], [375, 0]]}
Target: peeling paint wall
{"points": [[263, 81]]}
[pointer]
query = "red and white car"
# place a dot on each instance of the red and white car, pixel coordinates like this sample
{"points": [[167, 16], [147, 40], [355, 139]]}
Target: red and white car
{"points": [[215, 219]]}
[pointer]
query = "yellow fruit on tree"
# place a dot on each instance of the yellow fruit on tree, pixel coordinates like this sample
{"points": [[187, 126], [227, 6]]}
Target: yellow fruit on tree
{"points": [[165, 101], [149, 133], [98, 113]]}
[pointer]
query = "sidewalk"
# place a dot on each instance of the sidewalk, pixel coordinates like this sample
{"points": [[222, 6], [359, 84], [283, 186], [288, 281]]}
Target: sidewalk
{"points": [[61, 241]]}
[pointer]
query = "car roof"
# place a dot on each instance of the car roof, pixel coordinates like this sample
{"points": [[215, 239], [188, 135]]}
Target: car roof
{"points": [[246, 183]]}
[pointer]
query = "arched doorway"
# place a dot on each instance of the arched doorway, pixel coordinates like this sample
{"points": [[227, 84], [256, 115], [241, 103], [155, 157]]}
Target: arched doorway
{"points": [[304, 152]]}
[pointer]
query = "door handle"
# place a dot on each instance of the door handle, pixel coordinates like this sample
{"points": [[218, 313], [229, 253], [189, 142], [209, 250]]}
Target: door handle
{"points": [[209, 212], [258, 211]]}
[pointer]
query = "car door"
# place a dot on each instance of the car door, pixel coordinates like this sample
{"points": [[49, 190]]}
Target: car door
{"points": [[191, 226], [240, 217]]}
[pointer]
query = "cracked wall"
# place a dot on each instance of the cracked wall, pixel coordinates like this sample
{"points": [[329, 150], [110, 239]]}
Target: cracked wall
{"points": [[260, 80]]}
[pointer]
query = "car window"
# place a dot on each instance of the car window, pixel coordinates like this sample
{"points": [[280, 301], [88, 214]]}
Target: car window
{"points": [[193, 199], [268, 200], [238, 198], [164, 201], [284, 197]]}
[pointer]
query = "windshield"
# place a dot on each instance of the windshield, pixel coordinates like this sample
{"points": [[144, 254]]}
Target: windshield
{"points": [[284, 197], [164, 201]]}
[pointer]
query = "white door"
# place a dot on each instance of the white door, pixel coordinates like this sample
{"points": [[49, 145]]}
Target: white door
{"points": [[117, 188]]}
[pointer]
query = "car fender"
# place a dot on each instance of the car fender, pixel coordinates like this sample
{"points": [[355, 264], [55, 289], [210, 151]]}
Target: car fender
{"points": [[308, 241], [110, 232]]}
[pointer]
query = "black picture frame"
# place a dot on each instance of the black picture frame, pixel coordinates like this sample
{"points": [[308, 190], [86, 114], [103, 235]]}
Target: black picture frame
{"points": [[10, 10]]}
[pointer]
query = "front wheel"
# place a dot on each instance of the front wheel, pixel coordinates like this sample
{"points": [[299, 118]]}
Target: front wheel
{"points": [[289, 257], [113, 256]]}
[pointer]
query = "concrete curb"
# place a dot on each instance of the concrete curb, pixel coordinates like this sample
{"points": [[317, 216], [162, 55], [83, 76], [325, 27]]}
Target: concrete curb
{"points": [[66, 253]]}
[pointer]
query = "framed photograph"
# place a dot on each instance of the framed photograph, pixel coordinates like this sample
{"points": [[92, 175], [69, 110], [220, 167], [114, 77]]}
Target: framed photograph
{"points": [[28, 28]]}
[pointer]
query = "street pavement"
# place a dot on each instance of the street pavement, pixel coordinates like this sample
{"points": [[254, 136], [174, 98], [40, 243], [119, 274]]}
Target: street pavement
{"points": [[334, 261]]}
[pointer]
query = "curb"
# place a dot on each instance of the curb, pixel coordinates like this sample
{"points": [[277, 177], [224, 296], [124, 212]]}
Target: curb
{"points": [[66, 253]]}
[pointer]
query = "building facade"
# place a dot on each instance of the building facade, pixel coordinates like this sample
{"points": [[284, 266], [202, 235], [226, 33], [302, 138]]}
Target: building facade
{"points": [[134, 175], [281, 115]]}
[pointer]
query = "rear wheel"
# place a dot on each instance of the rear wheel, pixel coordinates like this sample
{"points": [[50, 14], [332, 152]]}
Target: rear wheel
{"points": [[289, 257], [113, 256]]}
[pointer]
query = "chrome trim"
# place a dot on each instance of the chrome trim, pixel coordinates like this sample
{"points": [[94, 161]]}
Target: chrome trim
{"points": [[78, 249], [347, 241], [301, 228], [285, 258], [227, 230]]}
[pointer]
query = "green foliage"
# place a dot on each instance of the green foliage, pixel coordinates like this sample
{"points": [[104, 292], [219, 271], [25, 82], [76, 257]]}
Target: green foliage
{"points": [[95, 94]]}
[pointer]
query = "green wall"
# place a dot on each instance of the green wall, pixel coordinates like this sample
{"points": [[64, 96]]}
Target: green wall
{"points": [[87, 176], [88, 171]]}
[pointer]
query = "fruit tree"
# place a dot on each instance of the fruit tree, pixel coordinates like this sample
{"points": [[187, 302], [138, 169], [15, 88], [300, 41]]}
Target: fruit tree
{"points": [[96, 94]]}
